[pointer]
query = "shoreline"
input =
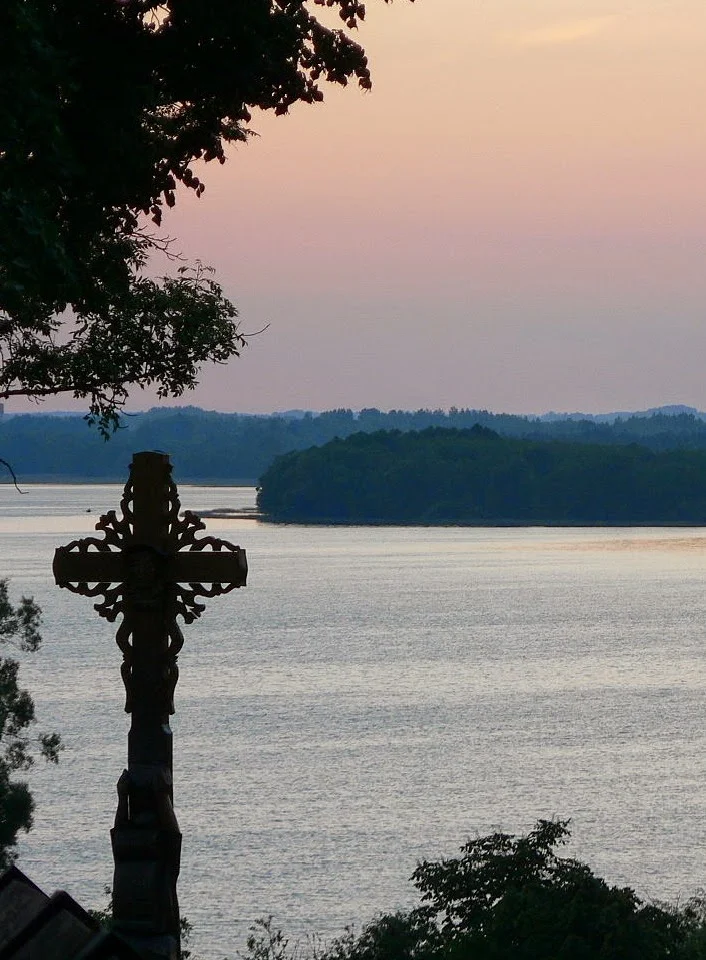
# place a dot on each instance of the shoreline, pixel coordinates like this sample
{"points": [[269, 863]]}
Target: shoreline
{"points": [[61, 481], [518, 524]]}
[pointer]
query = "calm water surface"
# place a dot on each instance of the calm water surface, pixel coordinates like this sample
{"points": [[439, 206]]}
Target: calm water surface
{"points": [[375, 696]]}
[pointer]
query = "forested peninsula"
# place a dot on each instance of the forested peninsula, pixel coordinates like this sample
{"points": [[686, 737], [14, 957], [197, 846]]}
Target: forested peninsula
{"points": [[478, 477], [228, 448]]}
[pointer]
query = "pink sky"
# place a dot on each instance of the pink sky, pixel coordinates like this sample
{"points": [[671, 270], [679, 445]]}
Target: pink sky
{"points": [[514, 218]]}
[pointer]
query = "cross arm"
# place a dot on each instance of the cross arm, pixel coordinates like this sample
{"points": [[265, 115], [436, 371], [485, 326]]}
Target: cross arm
{"points": [[210, 566], [87, 566]]}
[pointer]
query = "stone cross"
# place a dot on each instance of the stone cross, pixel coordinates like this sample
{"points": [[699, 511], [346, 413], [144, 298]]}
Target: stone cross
{"points": [[148, 568]]}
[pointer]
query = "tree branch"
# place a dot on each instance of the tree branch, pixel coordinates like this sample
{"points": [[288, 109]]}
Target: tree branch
{"points": [[12, 474], [33, 392]]}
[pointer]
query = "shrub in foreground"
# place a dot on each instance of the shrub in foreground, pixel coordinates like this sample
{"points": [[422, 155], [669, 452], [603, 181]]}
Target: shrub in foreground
{"points": [[513, 898]]}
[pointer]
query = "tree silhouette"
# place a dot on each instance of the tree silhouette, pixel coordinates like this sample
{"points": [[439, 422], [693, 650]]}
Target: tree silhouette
{"points": [[19, 627], [105, 108]]}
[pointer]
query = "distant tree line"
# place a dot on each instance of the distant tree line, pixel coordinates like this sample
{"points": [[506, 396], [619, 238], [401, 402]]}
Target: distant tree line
{"points": [[230, 448], [476, 476]]}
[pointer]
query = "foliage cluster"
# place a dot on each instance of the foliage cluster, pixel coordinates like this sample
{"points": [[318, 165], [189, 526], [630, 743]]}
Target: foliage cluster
{"points": [[239, 448], [19, 627], [513, 898], [106, 107], [476, 476]]}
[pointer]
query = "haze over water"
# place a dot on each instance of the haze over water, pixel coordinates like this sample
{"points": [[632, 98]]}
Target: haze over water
{"points": [[375, 696]]}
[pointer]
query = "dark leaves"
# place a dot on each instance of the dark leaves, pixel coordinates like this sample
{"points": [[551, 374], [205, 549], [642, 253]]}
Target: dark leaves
{"points": [[105, 106], [19, 627], [153, 332]]}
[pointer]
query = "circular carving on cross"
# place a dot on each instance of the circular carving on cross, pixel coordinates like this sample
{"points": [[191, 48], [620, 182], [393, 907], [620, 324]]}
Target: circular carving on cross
{"points": [[146, 570]]}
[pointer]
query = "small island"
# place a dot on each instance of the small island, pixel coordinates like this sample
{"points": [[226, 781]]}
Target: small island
{"points": [[475, 476]]}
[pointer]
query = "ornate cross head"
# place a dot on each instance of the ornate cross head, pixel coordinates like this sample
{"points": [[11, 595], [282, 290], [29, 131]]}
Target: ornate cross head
{"points": [[149, 566]]}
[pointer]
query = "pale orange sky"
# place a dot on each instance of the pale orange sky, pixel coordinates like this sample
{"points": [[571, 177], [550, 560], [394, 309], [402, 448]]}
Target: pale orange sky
{"points": [[514, 218]]}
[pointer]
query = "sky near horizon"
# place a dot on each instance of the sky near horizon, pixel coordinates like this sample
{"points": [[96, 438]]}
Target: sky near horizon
{"points": [[513, 219]]}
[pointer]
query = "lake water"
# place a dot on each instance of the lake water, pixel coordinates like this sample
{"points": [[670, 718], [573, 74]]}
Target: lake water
{"points": [[375, 696]]}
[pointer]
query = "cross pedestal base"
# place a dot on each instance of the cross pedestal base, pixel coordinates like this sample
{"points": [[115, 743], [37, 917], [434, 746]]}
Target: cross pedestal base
{"points": [[146, 845]]}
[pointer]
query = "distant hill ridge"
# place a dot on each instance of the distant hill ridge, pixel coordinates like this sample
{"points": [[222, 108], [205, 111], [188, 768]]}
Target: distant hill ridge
{"points": [[238, 448], [670, 410]]}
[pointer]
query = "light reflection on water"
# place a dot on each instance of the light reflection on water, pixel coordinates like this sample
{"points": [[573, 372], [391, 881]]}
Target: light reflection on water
{"points": [[376, 695]]}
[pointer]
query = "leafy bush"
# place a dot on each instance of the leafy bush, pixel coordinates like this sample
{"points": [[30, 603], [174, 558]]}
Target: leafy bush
{"points": [[514, 898], [19, 627]]}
